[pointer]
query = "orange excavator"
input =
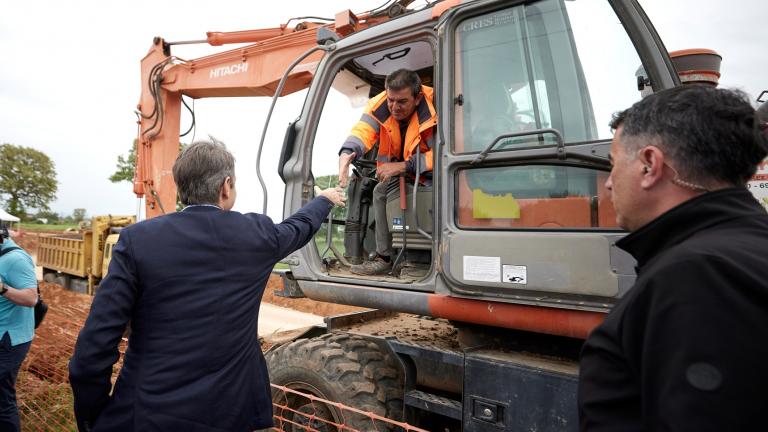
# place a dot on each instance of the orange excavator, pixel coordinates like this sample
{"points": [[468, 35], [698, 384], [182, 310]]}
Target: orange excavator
{"points": [[508, 257]]}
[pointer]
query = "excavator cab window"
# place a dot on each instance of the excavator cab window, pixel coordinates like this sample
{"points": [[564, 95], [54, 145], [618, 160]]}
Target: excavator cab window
{"points": [[567, 66], [534, 196], [349, 238]]}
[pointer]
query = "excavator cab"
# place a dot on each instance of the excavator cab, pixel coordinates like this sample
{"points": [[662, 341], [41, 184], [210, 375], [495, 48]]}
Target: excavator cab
{"points": [[517, 210]]}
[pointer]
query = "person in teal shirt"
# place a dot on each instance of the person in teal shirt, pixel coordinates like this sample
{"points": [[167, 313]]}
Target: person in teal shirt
{"points": [[18, 296]]}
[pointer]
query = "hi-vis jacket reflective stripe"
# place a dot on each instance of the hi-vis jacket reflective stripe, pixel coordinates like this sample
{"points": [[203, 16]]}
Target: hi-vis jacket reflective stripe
{"points": [[377, 123]]}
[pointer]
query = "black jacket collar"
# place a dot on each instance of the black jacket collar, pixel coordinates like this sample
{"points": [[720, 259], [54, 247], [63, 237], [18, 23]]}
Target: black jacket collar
{"points": [[688, 218]]}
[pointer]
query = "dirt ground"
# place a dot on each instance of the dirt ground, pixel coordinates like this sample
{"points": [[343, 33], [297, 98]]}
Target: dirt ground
{"points": [[411, 328], [28, 240], [303, 304]]}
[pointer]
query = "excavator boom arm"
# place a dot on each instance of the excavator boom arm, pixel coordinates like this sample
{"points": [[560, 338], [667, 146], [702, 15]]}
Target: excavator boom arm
{"points": [[253, 70]]}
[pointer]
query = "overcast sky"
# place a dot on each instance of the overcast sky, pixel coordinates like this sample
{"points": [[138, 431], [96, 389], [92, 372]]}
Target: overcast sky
{"points": [[69, 80]]}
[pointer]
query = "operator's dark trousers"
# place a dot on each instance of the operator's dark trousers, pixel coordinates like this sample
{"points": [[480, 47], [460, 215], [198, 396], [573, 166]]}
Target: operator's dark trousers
{"points": [[10, 361], [382, 194]]}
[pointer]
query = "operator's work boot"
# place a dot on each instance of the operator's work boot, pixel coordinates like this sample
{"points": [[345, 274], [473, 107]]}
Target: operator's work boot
{"points": [[376, 266]]}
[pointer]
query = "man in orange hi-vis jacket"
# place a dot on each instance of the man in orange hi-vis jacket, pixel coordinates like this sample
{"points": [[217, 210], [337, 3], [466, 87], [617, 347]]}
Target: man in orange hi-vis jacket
{"points": [[401, 119]]}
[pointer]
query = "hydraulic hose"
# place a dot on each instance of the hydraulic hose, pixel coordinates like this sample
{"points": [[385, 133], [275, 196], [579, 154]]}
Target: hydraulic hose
{"points": [[279, 90]]}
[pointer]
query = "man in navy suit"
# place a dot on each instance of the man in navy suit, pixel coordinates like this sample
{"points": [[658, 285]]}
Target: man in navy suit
{"points": [[190, 284]]}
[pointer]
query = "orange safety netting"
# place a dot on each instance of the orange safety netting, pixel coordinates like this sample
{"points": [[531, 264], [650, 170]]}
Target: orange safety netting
{"points": [[42, 388], [317, 418]]}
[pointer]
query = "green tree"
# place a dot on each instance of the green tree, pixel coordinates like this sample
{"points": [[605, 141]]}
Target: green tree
{"points": [[78, 215], [125, 166], [51, 216], [27, 179]]}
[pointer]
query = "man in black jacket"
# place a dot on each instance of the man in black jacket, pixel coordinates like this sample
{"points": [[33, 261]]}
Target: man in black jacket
{"points": [[190, 283], [685, 348]]}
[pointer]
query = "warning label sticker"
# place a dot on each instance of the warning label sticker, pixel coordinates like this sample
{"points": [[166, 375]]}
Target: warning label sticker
{"points": [[397, 225], [482, 268], [515, 274]]}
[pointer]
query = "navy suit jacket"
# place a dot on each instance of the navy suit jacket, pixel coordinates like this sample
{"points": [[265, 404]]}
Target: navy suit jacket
{"points": [[190, 283]]}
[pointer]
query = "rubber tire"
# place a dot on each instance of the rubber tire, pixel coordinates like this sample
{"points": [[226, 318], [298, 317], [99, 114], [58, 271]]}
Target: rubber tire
{"points": [[63, 279], [341, 368], [49, 276]]}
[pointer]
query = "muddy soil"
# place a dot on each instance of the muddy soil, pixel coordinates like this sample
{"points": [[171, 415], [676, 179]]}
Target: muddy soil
{"points": [[303, 304], [28, 240], [414, 329]]}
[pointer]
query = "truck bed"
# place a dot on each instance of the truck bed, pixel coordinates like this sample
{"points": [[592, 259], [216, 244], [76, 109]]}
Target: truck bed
{"points": [[67, 253]]}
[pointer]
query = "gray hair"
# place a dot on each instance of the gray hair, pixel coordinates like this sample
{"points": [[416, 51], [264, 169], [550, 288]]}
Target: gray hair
{"points": [[711, 135], [404, 78], [200, 171]]}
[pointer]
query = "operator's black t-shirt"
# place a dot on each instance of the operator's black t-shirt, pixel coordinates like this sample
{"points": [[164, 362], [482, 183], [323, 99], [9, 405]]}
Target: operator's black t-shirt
{"points": [[403, 130]]}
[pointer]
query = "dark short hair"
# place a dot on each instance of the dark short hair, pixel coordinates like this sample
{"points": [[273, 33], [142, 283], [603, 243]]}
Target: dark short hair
{"points": [[404, 78], [708, 133], [200, 171]]}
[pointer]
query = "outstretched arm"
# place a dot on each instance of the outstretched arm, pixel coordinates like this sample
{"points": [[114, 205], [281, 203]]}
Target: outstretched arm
{"points": [[344, 160], [298, 229]]}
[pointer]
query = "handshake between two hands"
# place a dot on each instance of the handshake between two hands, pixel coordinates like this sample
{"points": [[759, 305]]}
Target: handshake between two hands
{"points": [[335, 195]]}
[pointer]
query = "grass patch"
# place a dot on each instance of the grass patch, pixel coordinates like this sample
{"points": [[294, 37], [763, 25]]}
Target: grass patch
{"points": [[320, 241], [45, 406], [27, 226], [322, 236], [281, 266]]}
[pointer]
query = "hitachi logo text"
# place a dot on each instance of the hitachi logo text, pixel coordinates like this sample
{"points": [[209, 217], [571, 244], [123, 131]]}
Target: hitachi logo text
{"points": [[229, 70]]}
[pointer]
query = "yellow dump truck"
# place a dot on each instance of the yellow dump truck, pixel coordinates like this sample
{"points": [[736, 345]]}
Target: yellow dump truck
{"points": [[79, 260]]}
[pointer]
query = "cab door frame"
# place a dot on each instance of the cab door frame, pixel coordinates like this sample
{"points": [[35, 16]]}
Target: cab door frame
{"points": [[305, 263]]}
